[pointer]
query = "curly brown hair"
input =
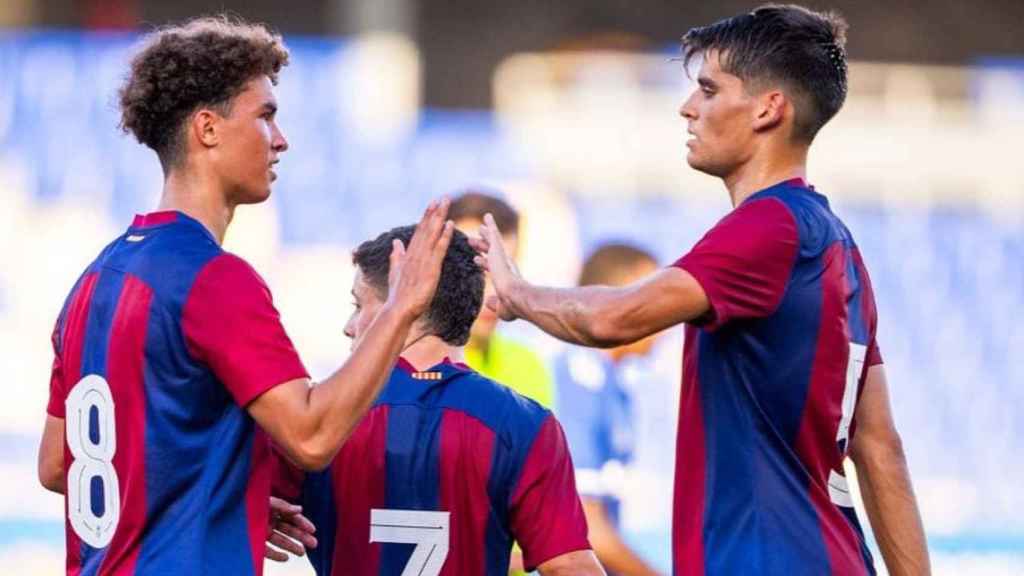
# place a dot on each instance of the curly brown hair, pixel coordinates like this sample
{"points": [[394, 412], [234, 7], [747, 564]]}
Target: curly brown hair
{"points": [[203, 63]]}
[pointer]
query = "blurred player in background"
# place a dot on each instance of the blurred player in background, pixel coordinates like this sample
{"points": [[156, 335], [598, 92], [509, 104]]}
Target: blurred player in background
{"points": [[169, 351], [500, 359], [596, 410], [782, 375], [448, 467]]}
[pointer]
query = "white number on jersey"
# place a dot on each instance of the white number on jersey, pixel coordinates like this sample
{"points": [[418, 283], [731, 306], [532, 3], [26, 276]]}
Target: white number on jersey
{"points": [[838, 488], [92, 460], [427, 530]]}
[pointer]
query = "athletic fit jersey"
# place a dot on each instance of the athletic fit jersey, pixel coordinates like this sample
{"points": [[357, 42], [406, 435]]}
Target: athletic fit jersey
{"points": [[443, 473], [161, 344], [771, 379]]}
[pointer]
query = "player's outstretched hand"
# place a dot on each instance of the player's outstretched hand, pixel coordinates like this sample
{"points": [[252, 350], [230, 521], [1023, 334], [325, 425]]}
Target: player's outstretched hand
{"points": [[495, 260], [416, 268], [289, 530]]}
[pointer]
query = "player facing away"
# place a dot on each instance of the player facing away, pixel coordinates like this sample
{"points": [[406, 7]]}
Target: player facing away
{"points": [[171, 362], [448, 467], [783, 378]]}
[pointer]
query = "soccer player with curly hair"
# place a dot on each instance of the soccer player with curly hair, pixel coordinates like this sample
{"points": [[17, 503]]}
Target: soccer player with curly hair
{"points": [[172, 371]]}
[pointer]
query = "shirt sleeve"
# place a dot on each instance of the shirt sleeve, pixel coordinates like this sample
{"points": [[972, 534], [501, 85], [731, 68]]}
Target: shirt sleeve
{"points": [[744, 262], [870, 312], [231, 325], [579, 384], [546, 483]]}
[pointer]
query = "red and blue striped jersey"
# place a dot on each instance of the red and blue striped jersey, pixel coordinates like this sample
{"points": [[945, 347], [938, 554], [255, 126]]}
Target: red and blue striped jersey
{"points": [[771, 377], [161, 344], [444, 472]]}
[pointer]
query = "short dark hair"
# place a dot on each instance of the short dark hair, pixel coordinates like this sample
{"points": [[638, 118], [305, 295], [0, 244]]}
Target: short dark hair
{"points": [[460, 291], [609, 264], [474, 204], [797, 47], [204, 62]]}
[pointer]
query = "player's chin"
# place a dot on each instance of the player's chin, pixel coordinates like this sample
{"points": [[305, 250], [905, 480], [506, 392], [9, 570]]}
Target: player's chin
{"points": [[257, 194], [702, 164]]}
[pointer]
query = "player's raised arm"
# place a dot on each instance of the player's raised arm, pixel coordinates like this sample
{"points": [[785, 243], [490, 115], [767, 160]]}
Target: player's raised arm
{"points": [[884, 480], [311, 422], [590, 315]]}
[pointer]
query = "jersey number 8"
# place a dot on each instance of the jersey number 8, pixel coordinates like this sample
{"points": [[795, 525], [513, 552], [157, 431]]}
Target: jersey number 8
{"points": [[94, 496]]}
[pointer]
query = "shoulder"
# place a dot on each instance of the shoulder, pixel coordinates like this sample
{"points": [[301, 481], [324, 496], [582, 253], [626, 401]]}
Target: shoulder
{"points": [[513, 417], [817, 226], [228, 273]]}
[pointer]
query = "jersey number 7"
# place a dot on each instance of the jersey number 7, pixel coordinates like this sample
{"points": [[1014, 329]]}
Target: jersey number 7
{"points": [[427, 530]]}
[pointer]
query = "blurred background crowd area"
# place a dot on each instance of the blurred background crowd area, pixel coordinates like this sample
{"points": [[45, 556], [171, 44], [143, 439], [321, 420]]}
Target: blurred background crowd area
{"points": [[568, 110]]}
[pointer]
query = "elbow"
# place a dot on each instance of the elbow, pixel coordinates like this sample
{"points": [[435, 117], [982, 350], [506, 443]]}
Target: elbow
{"points": [[311, 457], [315, 453], [51, 477], [881, 448]]}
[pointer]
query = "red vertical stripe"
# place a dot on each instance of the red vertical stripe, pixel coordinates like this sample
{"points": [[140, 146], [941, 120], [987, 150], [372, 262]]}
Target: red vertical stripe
{"points": [[71, 350], [691, 463], [125, 376], [357, 477], [816, 440], [466, 450], [257, 496]]}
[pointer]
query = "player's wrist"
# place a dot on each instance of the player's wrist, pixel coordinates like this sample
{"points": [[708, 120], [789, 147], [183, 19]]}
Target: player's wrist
{"points": [[515, 296]]}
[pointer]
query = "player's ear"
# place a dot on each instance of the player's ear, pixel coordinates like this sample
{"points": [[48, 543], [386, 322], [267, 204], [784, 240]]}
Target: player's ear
{"points": [[769, 110], [204, 125]]}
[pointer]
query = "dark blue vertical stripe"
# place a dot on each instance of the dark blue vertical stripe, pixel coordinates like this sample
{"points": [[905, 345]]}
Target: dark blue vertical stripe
{"points": [[865, 553], [755, 378], [505, 467], [319, 506], [413, 471], [94, 361], [854, 306]]}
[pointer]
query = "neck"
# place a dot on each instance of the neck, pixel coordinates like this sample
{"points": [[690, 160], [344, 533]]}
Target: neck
{"points": [[426, 351], [764, 170], [198, 197]]}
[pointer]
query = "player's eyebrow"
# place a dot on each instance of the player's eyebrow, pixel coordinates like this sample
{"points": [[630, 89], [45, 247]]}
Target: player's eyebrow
{"points": [[706, 82]]}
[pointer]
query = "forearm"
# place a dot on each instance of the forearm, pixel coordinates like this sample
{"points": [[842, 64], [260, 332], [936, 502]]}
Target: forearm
{"points": [[892, 511], [330, 410], [587, 315], [606, 316]]}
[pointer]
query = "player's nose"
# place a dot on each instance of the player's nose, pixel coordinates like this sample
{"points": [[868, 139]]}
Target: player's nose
{"points": [[278, 143], [687, 109]]}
